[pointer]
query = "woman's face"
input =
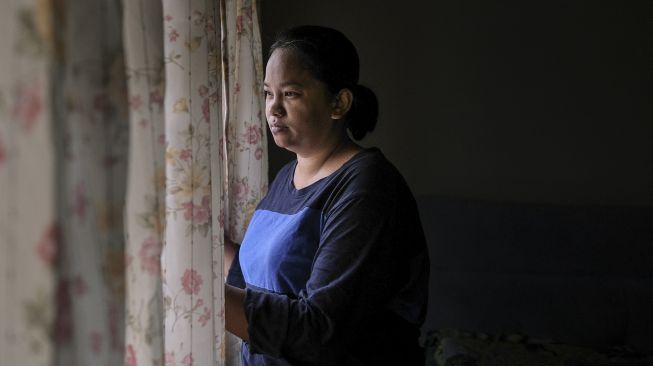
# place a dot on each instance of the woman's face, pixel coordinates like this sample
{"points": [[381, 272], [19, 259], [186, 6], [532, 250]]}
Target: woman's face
{"points": [[298, 107]]}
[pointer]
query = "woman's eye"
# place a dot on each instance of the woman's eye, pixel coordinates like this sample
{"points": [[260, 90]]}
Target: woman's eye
{"points": [[290, 94], [266, 93]]}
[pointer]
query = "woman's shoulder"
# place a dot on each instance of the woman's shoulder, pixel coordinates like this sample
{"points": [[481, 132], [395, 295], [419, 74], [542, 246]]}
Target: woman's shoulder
{"points": [[371, 163], [371, 181], [370, 171]]}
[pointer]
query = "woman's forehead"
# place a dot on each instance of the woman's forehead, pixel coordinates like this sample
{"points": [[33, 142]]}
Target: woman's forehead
{"points": [[286, 66]]}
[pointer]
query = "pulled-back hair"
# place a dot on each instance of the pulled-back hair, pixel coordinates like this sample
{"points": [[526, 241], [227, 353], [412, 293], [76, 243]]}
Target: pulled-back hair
{"points": [[332, 59]]}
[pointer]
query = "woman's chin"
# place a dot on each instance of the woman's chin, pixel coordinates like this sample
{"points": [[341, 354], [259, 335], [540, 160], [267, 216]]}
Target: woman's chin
{"points": [[280, 139], [284, 144]]}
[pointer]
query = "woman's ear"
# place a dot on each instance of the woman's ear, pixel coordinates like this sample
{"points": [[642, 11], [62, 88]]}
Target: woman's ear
{"points": [[341, 104]]}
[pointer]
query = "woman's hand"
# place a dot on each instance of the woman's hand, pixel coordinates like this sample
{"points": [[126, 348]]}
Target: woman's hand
{"points": [[230, 250]]}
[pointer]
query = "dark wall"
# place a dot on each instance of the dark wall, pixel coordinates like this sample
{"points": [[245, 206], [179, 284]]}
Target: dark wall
{"points": [[545, 102]]}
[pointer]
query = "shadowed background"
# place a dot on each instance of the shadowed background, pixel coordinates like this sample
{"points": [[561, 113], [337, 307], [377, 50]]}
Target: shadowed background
{"points": [[525, 130], [545, 102]]}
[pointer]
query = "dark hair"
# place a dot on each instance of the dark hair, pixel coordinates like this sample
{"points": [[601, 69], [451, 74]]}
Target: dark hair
{"points": [[331, 58]]}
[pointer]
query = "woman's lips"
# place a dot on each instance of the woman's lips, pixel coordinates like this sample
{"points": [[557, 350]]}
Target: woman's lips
{"points": [[275, 128]]}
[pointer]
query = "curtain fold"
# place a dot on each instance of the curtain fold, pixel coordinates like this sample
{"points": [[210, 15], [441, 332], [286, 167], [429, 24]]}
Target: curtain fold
{"points": [[145, 208], [192, 278], [131, 143], [28, 229], [91, 131]]}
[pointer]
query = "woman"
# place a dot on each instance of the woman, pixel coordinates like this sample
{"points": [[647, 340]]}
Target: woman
{"points": [[333, 268]]}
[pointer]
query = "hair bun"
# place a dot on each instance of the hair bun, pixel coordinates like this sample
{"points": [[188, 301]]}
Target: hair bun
{"points": [[364, 112]]}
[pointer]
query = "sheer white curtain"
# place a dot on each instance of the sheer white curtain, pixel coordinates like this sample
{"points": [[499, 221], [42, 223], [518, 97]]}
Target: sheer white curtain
{"points": [[133, 131]]}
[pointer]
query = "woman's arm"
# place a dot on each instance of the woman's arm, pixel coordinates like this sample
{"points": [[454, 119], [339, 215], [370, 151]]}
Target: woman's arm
{"points": [[230, 250], [235, 320]]}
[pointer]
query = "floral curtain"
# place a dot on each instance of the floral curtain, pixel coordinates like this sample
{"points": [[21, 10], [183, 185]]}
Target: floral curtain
{"points": [[27, 187], [198, 170], [91, 134], [145, 210], [138, 128]]}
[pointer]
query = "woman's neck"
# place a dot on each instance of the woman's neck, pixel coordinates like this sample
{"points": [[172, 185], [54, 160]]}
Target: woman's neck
{"points": [[313, 167]]}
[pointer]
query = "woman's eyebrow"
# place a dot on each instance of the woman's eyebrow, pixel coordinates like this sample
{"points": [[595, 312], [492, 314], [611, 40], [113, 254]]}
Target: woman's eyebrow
{"points": [[287, 83]]}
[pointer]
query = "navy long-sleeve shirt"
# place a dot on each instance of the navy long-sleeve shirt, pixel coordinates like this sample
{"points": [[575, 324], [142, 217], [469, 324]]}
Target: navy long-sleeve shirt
{"points": [[335, 273]]}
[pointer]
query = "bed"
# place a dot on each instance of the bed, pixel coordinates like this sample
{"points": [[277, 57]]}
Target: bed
{"points": [[578, 276]]}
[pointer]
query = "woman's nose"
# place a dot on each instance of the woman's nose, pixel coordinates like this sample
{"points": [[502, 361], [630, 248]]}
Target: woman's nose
{"points": [[276, 108]]}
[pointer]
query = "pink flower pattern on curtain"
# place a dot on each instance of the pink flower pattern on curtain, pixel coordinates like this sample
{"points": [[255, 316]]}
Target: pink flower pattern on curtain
{"points": [[133, 133], [91, 132], [28, 231], [207, 132]]}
